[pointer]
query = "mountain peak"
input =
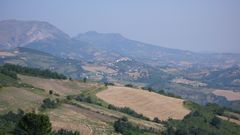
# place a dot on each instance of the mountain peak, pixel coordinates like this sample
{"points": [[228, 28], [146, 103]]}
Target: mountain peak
{"points": [[18, 33]]}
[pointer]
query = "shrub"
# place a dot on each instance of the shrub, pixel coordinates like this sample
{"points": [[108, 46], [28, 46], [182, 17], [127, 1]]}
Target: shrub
{"points": [[129, 85], [48, 103], [50, 92], [128, 111], [65, 132], [156, 120]]}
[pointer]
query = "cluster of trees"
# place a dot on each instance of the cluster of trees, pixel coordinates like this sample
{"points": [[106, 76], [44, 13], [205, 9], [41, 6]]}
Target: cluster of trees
{"points": [[6, 80], [65, 132], [128, 111], [51, 104], [8, 121], [108, 84], [129, 85], [12, 70], [29, 124], [150, 89], [202, 120], [124, 127]]}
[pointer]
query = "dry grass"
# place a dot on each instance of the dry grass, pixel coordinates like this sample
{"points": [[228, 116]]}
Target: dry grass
{"points": [[230, 95], [12, 98], [229, 119], [149, 104], [78, 119], [62, 87]]}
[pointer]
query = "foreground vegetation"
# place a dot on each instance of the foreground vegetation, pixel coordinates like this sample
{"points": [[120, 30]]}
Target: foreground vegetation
{"points": [[29, 124], [203, 120]]}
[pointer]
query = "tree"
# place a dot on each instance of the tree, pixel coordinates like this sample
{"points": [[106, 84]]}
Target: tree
{"points": [[33, 124], [50, 92], [84, 79], [156, 120], [215, 122]]}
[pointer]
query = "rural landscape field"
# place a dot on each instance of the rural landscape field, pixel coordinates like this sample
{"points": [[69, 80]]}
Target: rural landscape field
{"points": [[119, 67]]}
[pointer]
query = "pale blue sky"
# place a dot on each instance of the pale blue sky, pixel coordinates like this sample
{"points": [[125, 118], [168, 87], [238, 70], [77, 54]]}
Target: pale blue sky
{"points": [[197, 25]]}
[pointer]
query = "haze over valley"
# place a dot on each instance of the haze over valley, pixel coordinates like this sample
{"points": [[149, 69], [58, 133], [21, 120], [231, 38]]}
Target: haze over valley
{"points": [[106, 82]]}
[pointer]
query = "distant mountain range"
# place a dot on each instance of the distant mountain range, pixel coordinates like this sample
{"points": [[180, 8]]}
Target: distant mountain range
{"points": [[100, 47], [110, 57]]}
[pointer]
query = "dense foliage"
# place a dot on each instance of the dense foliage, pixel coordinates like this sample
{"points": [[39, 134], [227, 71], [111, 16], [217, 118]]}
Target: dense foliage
{"points": [[33, 124], [128, 111], [29, 124], [11, 70], [8, 122], [126, 128], [6, 80], [202, 120], [48, 103]]}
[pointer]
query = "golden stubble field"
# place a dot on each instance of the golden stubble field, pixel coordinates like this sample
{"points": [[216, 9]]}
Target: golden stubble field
{"points": [[149, 104], [230, 95]]}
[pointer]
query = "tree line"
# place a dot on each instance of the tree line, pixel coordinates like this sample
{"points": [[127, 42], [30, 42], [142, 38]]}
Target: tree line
{"points": [[12, 70]]}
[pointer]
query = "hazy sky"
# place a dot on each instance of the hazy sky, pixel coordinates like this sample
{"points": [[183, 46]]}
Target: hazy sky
{"points": [[197, 25]]}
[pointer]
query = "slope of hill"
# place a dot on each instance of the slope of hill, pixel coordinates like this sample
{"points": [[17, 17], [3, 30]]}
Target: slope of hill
{"points": [[150, 104], [38, 59], [224, 78], [30, 94], [152, 54], [73, 105], [14, 33]]}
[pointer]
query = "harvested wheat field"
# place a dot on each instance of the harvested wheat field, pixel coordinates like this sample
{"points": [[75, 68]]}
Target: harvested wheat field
{"points": [[149, 104], [79, 119], [62, 87], [230, 95]]}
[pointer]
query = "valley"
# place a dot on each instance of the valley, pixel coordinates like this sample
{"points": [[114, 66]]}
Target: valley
{"points": [[105, 83]]}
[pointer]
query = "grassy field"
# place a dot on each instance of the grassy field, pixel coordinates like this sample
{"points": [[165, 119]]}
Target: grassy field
{"points": [[149, 104], [12, 98], [62, 87]]}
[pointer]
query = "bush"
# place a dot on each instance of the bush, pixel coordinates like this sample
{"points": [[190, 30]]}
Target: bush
{"points": [[109, 84], [128, 111], [129, 85], [156, 120], [84, 79], [50, 92], [126, 128], [215, 122], [48, 103], [65, 132]]}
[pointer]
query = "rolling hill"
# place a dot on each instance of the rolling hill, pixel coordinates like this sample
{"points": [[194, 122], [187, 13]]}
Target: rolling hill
{"points": [[74, 105]]}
